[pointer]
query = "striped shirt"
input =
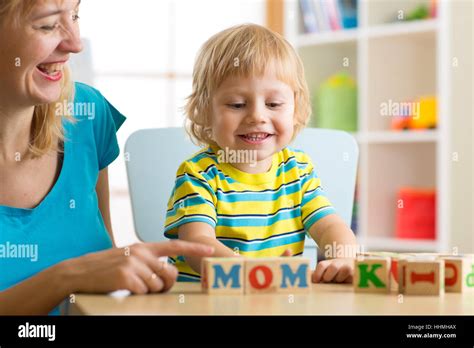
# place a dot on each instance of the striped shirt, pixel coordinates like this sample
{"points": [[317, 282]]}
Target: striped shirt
{"points": [[258, 215]]}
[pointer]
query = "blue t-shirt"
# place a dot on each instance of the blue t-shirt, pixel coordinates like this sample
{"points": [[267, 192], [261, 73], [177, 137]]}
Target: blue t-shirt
{"points": [[67, 223]]}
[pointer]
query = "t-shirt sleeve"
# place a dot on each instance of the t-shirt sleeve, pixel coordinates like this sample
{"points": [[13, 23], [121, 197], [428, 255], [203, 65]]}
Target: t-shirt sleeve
{"points": [[106, 122], [192, 200], [314, 204]]}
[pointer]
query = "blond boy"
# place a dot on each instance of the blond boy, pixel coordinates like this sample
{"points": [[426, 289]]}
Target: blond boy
{"points": [[247, 193]]}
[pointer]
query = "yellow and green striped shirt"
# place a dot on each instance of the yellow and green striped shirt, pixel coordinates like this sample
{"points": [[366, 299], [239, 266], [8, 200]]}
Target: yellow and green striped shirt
{"points": [[258, 215]]}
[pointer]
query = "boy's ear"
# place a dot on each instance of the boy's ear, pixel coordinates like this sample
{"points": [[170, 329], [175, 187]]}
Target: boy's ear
{"points": [[208, 131]]}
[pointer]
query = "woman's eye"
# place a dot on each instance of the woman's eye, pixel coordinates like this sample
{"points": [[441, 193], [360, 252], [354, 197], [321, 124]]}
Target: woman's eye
{"points": [[75, 15], [49, 27]]}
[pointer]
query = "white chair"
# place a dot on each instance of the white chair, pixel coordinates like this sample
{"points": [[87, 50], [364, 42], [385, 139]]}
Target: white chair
{"points": [[154, 155]]}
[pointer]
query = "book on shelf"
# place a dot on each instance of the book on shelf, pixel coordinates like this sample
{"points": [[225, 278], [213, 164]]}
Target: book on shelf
{"points": [[328, 15]]}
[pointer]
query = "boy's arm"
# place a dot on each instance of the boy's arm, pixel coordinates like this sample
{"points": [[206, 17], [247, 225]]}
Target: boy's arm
{"points": [[331, 230], [201, 232], [332, 235]]}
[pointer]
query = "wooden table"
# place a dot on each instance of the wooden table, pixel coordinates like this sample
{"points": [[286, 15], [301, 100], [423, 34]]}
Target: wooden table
{"points": [[324, 299]]}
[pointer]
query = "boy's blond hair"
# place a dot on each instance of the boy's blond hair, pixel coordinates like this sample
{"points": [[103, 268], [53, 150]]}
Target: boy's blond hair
{"points": [[242, 51], [46, 129]]}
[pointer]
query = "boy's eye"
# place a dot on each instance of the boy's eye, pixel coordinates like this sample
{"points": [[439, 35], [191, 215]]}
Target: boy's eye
{"points": [[237, 105], [274, 105]]}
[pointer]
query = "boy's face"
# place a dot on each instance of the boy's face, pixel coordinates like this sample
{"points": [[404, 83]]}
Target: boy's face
{"points": [[254, 114]]}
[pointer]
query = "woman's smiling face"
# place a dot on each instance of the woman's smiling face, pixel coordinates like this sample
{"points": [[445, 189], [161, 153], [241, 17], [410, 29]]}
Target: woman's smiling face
{"points": [[34, 52]]}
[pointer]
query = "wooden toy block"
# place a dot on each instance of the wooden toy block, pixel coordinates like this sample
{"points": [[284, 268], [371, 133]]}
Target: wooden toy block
{"points": [[422, 277], [458, 273], [294, 275], [261, 275], [372, 274], [222, 275], [401, 267], [394, 264]]}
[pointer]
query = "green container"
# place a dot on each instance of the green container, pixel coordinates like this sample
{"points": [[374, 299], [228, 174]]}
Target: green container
{"points": [[336, 104]]}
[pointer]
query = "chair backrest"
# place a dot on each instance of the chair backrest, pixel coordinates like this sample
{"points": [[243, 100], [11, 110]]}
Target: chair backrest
{"points": [[154, 155]]}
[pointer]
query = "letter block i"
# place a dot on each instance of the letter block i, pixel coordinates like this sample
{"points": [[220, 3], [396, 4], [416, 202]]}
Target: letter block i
{"points": [[372, 274], [458, 273], [423, 277], [222, 275]]}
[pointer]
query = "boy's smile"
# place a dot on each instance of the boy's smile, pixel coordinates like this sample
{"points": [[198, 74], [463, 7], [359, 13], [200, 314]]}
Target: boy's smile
{"points": [[255, 114], [255, 137]]}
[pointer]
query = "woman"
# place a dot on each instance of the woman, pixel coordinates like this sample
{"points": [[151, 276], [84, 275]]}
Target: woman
{"points": [[56, 141]]}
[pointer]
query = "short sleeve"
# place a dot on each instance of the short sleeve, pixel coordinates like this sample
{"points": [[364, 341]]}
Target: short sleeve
{"points": [[314, 204], [192, 200], [106, 121]]}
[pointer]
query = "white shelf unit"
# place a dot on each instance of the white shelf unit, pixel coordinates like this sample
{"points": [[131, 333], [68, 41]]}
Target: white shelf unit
{"points": [[396, 61]]}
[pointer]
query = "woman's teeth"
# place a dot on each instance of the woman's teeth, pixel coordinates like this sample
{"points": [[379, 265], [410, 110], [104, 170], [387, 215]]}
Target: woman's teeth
{"points": [[50, 68]]}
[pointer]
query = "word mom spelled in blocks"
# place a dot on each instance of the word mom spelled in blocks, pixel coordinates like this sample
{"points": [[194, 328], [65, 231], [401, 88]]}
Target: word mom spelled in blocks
{"points": [[238, 275]]}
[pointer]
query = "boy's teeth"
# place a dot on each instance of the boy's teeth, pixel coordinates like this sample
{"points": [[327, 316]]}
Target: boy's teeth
{"points": [[256, 136]]}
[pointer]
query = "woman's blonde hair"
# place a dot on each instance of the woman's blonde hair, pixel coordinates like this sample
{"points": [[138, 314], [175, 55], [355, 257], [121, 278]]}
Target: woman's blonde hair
{"points": [[242, 51], [47, 128]]}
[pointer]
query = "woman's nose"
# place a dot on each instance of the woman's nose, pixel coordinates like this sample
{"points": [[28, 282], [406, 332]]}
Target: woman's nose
{"points": [[72, 41]]}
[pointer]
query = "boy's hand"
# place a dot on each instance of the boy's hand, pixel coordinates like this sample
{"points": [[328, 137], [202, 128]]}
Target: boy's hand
{"points": [[334, 270]]}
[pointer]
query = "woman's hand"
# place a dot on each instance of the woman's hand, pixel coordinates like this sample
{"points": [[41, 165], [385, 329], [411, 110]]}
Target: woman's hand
{"points": [[136, 268], [334, 270]]}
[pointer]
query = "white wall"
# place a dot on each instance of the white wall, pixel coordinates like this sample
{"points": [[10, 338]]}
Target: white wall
{"points": [[462, 127]]}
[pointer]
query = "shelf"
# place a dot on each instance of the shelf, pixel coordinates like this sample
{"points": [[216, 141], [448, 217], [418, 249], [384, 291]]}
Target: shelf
{"points": [[402, 28], [382, 137], [327, 37], [401, 245], [393, 62], [379, 31]]}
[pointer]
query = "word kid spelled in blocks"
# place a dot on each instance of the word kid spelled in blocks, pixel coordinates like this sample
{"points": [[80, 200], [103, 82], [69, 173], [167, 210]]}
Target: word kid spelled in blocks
{"points": [[222, 275], [458, 273], [372, 274], [422, 277]]}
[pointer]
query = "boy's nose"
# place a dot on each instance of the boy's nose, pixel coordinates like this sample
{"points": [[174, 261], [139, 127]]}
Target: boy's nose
{"points": [[256, 115]]}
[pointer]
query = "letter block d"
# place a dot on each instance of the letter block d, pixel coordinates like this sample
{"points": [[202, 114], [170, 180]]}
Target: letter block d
{"points": [[222, 275], [372, 274], [459, 273]]}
